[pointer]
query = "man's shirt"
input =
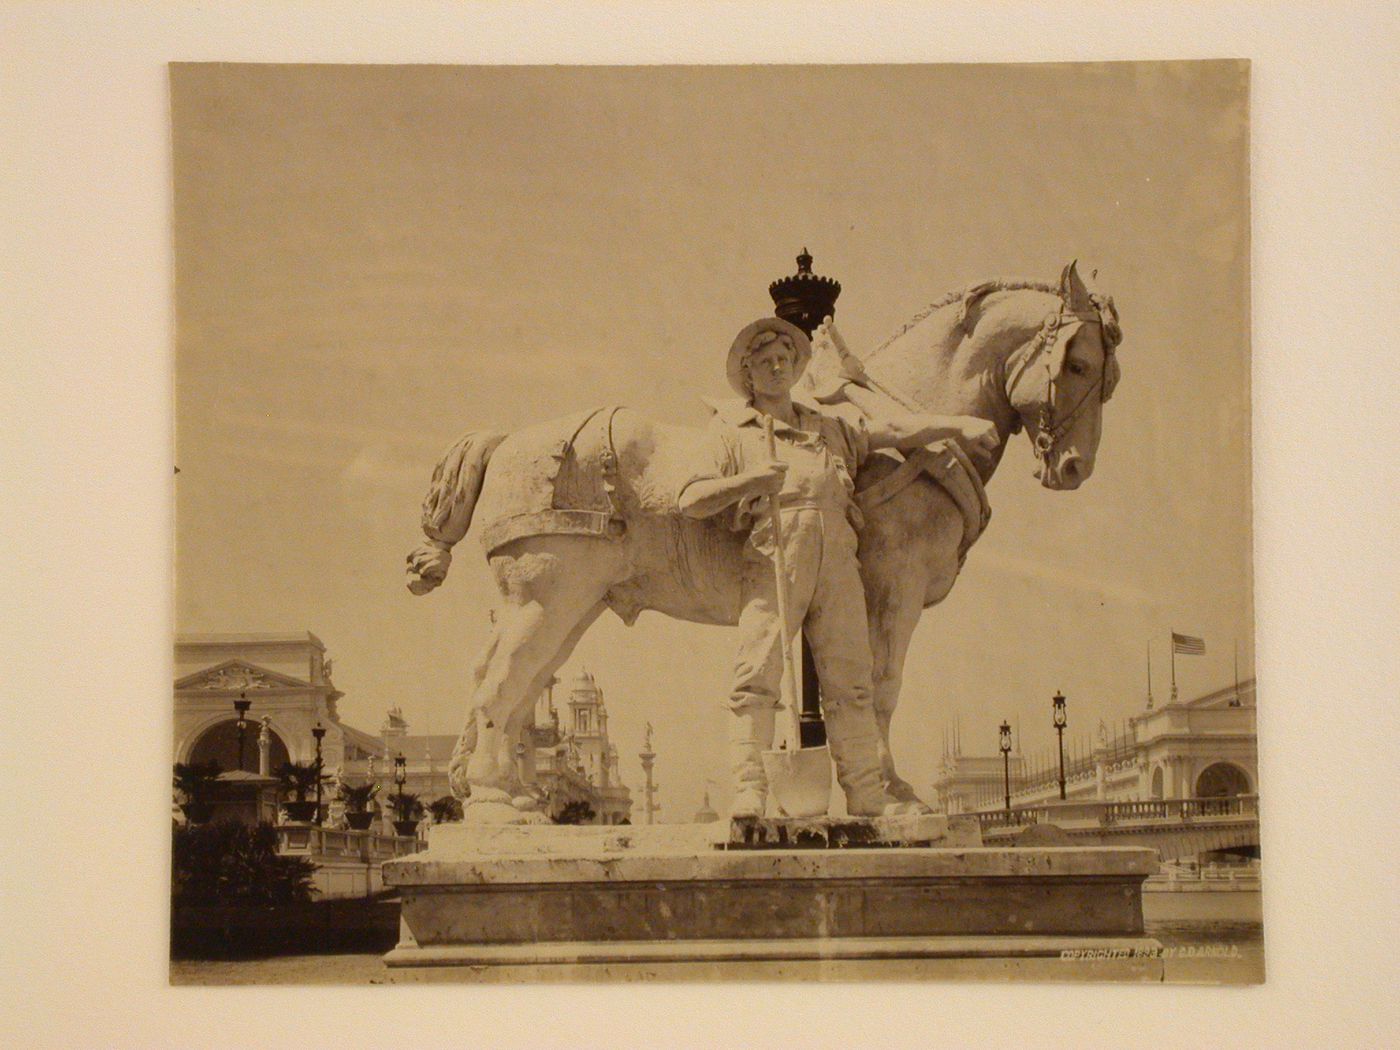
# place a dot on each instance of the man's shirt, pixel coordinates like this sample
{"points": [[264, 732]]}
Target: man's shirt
{"points": [[822, 452]]}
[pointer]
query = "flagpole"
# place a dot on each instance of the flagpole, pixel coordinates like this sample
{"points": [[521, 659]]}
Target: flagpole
{"points": [[1173, 649], [1236, 644], [1149, 674]]}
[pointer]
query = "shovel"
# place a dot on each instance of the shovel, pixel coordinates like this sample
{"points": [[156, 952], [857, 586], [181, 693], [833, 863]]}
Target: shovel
{"points": [[799, 778]]}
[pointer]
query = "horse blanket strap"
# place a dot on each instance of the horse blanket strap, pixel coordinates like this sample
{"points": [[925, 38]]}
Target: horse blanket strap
{"points": [[580, 497], [949, 466]]}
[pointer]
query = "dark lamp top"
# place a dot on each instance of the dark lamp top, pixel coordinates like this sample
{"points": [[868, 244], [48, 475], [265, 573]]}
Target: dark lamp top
{"points": [[804, 298]]}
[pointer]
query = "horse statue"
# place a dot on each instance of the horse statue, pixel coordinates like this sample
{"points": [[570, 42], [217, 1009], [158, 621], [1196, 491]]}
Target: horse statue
{"points": [[579, 515]]}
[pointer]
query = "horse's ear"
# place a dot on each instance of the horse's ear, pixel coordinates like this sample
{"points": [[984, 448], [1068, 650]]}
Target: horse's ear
{"points": [[971, 300], [1073, 291]]}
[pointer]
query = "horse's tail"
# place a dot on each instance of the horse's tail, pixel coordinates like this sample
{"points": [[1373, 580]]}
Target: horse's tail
{"points": [[448, 506]]}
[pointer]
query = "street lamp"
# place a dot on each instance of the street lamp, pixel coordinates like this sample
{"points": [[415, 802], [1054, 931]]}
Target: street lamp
{"points": [[1006, 761], [400, 776], [241, 705], [1061, 720], [318, 731]]}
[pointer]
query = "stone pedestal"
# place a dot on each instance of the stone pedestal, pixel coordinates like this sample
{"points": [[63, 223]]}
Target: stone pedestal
{"points": [[527, 896], [540, 898]]}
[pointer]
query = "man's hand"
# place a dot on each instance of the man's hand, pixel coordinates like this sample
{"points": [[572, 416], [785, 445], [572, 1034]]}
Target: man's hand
{"points": [[979, 436], [768, 479], [708, 496]]}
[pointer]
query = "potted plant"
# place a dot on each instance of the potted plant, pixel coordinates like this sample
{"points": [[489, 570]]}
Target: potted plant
{"points": [[446, 810], [300, 780], [195, 782], [408, 811], [576, 812], [357, 799]]}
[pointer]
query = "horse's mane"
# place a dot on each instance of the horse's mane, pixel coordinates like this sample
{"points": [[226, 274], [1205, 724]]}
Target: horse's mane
{"points": [[963, 295]]}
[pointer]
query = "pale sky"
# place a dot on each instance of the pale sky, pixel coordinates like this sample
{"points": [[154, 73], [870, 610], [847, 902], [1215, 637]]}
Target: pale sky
{"points": [[373, 260]]}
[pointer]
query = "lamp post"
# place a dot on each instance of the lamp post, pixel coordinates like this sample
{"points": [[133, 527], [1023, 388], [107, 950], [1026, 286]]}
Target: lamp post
{"points": [[1006, 761], [1060, 720], [400, 777], [318, 731], [241, 705]]}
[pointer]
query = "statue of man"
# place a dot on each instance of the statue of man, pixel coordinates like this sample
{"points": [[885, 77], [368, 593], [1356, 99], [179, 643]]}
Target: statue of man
{"points": [[812, 480]]}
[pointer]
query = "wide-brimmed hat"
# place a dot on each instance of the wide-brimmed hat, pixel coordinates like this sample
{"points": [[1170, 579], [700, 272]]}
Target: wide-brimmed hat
{"points": [[739, 349]]}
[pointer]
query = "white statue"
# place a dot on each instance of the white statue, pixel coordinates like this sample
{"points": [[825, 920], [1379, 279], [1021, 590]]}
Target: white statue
{"points": [[817, 457], [579, 515]]}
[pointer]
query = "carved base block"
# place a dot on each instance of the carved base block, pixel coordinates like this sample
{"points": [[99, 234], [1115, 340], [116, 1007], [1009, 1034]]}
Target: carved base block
{"points": [[514, 896]]}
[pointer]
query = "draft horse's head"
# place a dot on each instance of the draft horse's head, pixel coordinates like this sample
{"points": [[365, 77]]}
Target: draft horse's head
{"points": [[1059, 381]]}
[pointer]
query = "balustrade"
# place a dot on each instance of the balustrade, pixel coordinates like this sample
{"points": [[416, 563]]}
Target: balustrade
{"points": [[1178, 810], [368, 846]]}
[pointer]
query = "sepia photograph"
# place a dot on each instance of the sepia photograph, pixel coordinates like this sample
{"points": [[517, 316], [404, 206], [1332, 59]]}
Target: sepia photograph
{"points": [[844, 478], [736, 525]]}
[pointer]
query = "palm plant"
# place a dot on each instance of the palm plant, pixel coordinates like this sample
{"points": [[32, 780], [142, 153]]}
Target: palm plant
{"points": [[300, 778], [446, 810], [357, 797], [408, 806], [195, 782]]}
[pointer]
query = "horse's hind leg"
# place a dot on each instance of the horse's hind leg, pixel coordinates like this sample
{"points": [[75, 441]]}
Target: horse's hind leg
{"points": [[518, 722], [549, 586]]}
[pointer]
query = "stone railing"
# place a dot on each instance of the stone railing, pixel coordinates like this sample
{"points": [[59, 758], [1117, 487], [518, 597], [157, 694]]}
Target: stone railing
{"points": [[369, 847], [1233, 874], [1160, 810]]}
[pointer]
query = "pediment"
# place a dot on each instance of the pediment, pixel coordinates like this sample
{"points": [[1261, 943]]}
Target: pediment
{"points": [[237, 676]]}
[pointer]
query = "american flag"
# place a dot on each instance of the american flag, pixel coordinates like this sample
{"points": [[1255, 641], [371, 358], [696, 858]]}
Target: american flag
{"points": [[1185, 645]]}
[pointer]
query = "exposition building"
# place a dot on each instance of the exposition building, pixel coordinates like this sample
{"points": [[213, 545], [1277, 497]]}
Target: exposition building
{"points": [[286, 680]]}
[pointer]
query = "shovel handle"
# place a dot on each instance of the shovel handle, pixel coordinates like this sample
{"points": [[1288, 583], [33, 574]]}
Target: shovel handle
{"points": [[789, 682]]}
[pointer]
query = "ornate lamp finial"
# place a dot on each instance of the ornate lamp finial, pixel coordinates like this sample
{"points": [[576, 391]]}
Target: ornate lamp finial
{"points": [[804, 299]]}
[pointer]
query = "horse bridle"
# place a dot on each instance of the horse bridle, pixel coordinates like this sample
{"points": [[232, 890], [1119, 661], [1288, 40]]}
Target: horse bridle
{"points": [[1049, 431]]}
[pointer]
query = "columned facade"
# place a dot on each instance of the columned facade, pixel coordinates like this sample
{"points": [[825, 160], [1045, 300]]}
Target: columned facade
{"points": [[286, 680], [1202, 747]]}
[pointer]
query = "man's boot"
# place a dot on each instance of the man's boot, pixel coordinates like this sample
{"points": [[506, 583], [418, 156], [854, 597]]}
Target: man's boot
{"points": [[750, 734], [853, 737]]}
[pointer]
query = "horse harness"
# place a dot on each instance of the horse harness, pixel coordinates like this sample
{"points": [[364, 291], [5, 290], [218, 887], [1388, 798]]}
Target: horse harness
{"points": [[1049, 431]]}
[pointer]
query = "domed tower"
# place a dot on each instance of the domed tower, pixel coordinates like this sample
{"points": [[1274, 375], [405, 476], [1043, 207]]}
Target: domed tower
{"points": [[588, 724]]}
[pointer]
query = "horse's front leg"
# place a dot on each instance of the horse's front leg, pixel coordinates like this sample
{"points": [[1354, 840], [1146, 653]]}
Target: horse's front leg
{"points": [[892, 572], [892, 624]]}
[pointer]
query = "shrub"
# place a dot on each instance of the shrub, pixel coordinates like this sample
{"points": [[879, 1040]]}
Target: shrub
{"points": [[446, 810], [357, 797], [407, 806], [578, 812], [229, 862], [300, 778], [195, 780]]}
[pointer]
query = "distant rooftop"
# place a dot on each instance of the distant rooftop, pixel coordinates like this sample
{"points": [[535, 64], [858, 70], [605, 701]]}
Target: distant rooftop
{"points": [[262, 638]]}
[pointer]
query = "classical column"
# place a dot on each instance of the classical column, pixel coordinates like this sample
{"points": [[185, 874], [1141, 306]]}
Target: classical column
{"points": [[648, 756], [1102, 753], [265, 748]]}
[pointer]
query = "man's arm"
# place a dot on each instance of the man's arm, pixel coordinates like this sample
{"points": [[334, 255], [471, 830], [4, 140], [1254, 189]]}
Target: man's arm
{"points": [[978, 436], [708, 496]]}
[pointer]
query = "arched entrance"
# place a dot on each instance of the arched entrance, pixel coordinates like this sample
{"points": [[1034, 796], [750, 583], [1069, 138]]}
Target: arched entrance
{"points": [[1221, 780], [219, 743], [1157, 788]]}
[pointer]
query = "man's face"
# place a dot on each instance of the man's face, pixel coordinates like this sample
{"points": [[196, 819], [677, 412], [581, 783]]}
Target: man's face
{"points": [[771, 368]]}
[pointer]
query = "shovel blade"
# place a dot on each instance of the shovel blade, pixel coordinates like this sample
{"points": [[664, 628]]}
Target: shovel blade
{"points": [[799, 781]]}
